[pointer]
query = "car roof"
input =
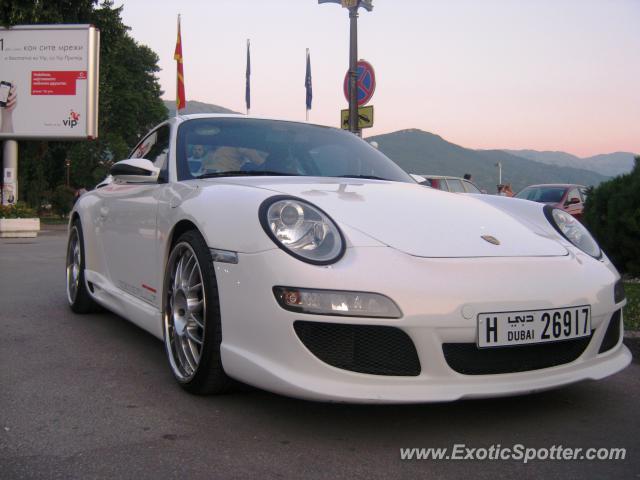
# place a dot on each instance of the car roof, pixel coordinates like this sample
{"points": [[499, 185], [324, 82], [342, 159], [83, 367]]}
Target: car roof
{"points": [[564, 185], [439, 177]]}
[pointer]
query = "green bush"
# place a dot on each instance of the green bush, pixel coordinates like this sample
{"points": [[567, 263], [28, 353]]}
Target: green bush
{"points": [[19, 210], [612, 214], [632, 310]]}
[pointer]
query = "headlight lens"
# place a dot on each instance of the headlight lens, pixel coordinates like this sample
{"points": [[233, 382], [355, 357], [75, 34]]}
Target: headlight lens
{"points": [[572, 230], [302, 230]]}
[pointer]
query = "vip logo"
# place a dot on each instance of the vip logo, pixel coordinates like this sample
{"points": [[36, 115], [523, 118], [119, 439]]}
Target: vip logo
{"points": [[72, 121]]}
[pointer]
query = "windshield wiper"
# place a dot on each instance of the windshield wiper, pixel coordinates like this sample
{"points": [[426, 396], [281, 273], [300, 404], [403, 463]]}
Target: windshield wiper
{"points": [[369, 177], [244, 173]]}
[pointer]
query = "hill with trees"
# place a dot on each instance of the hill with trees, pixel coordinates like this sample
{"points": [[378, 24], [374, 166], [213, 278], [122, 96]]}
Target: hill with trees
{"points": [[609, 164], [422, 152]]}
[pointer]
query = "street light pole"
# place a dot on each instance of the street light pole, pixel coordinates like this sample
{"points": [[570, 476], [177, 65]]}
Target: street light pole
{"points": [[353, 6], [353, 71]]}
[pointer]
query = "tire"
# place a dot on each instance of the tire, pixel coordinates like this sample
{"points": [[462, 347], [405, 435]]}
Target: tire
{"points": [[78, 295], [191, 318]]}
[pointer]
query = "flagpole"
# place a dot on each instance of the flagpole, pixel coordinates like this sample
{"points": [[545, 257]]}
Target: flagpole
{"points": [[306, 106], [248, 78], [177, 86]]}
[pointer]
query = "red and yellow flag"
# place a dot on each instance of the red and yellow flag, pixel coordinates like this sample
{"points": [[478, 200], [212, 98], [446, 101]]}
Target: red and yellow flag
{"points": [[181, 99]]}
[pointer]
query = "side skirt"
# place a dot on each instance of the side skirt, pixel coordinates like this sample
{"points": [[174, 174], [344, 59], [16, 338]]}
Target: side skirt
{"points": [[118, 301]]}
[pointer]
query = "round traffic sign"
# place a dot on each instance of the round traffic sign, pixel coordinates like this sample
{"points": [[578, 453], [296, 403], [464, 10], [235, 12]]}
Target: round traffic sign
{"points": [[365, 83]]}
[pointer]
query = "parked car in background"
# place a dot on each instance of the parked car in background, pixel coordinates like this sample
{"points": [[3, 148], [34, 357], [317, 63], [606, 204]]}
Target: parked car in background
{"points": [[451, 184], [568, 197]]}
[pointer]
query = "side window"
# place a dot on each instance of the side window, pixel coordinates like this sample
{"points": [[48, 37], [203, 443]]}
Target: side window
{"points": [[145, 146], [583, 194], [160, 149], [155, 148], [573, 193], [455, 185], [471, 188], [439, 183]]}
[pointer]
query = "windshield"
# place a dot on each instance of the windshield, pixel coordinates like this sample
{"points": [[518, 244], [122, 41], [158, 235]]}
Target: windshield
{"points": [[215, 147], [543, 194]]}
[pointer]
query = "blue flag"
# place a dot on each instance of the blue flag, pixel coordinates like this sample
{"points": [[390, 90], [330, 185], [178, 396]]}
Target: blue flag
{"points": [[247, 94], [307, 81]]}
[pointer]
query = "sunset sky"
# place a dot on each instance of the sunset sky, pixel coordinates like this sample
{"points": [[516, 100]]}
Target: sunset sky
{"points": [[543, 74]]}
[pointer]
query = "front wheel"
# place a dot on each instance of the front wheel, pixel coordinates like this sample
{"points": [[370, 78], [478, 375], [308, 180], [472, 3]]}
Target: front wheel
{"points": [[191, 317], [78, 295]]}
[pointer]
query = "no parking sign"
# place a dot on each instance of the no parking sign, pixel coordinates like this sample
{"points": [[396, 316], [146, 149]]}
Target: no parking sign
{"points": [[365, 83]]}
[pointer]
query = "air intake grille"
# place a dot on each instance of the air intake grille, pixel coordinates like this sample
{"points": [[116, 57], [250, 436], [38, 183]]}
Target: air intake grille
{"points": [[612, 335], [468, 359], [373, 349]]}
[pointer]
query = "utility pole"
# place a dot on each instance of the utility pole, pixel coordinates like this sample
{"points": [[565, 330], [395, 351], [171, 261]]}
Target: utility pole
{"points": [[353, 71]]}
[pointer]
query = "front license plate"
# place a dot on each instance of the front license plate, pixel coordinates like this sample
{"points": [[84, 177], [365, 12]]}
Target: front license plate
{"points": [[535, 326]]}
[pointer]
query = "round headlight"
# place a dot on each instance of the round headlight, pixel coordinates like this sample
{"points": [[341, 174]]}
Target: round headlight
{"points": [[302, 230], [572, 230]]}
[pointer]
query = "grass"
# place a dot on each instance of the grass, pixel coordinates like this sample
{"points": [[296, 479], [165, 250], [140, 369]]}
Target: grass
{"points": [[632, 310]]}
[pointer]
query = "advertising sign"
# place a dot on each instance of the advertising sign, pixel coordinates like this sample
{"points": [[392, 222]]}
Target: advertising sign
{"points": [[49, 82]]}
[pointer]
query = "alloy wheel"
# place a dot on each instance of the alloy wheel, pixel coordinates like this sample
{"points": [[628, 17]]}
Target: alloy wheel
{"points": [[185, 312]]}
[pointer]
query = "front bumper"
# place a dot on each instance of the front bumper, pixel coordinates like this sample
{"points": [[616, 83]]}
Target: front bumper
{"points": [[440, 299]]}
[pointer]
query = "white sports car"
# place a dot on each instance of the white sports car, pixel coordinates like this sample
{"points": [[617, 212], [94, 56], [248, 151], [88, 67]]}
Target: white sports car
{"points": [[299, 259]]}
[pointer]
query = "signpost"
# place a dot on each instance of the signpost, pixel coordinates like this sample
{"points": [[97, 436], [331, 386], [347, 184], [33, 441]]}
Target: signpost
{"points": [[365, 118], [353, 6], [365, 83]]}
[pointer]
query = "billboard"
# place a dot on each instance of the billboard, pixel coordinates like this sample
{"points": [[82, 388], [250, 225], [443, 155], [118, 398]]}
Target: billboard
{"points": [[49, 82]]}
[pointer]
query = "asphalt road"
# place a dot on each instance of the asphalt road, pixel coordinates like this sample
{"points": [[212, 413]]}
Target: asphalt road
{"points": [[91, 397]]}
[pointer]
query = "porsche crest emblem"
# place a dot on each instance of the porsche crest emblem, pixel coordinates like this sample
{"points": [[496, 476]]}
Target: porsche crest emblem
{"points": [[490, 239]]}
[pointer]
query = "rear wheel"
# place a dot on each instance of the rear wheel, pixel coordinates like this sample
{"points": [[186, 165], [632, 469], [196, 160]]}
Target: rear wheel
{"points": [[78, 295], [191, 316]]}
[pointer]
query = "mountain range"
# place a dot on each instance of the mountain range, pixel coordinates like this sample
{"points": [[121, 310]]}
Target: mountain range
{"points": [[611, 164], [421, 152]]}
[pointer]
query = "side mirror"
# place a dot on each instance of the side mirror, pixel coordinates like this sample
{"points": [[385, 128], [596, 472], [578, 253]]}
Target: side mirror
{"points": [[135, 170]]}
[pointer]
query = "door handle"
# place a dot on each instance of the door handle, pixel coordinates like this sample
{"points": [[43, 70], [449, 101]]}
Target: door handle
{"points": [[104, 211]]}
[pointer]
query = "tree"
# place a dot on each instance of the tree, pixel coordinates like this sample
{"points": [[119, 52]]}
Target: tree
{"points": [[62, 200], [129, 101], [612, 214]]}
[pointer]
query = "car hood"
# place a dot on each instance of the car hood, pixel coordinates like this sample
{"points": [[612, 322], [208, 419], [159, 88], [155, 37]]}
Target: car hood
{"points": [[419, 221]]}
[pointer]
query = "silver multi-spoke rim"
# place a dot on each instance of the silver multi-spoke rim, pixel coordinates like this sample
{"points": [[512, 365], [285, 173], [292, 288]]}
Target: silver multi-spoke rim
{"points": [[185, 312], [74, 260]]}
